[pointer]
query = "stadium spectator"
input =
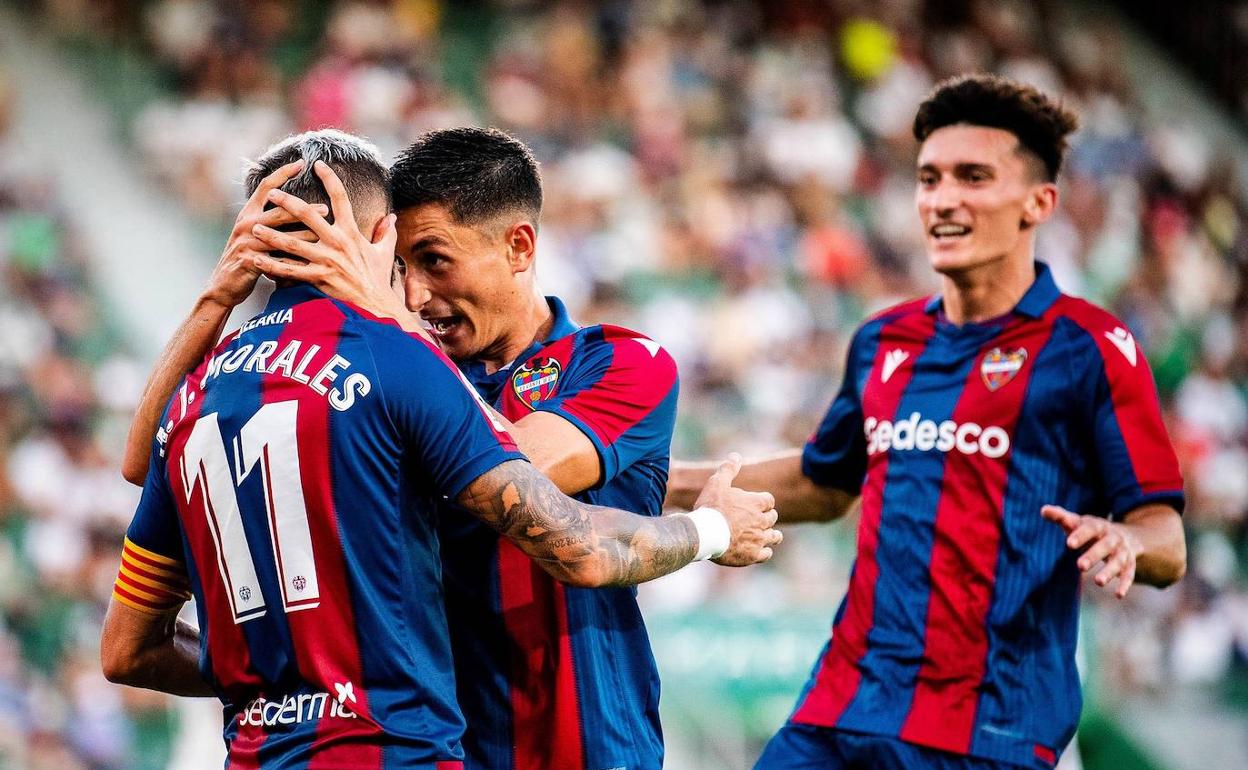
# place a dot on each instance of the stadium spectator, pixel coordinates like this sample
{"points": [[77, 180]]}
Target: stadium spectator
{"points": [[664, 216]]}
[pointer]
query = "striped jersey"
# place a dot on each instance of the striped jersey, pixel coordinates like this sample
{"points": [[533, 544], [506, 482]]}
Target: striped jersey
{"points": [[294, 488], [553, 677], [958, 630]]}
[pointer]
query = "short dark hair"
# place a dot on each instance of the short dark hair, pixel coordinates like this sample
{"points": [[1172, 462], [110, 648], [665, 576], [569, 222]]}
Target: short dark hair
{"points": [[476, 173], [355, 160], [1040, 123]]}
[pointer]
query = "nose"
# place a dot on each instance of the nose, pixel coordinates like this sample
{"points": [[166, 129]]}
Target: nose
{"points": [[415, 292], [946, 197], [940, 197]]}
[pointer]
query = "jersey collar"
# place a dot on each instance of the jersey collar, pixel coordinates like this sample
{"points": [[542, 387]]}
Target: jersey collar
{"points": [[489, 383], [1038, 299], [288, 296]]}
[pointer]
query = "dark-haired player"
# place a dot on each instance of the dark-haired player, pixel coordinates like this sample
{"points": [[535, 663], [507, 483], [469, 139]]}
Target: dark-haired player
{"points": [[550, 677], [293, 488], [972, 424]]}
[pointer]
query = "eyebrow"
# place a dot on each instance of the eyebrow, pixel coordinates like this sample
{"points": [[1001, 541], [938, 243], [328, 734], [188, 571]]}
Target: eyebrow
{"points": [[960, 168], [426, 242]]}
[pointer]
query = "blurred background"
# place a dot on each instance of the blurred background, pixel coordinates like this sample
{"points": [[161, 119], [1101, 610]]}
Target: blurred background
{"points": [[734, 179]]}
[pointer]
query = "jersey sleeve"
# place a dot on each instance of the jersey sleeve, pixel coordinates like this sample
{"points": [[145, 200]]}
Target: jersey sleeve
{"points": [[438, 415], [153, 578], [621, 392], [1135, 460], [836, 454]]}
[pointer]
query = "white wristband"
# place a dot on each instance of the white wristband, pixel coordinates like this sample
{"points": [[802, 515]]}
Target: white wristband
{"points": [[714, 535]]}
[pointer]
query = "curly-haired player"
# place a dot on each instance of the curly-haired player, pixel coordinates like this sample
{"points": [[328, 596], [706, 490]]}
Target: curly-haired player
{"points": [[973, 424]]}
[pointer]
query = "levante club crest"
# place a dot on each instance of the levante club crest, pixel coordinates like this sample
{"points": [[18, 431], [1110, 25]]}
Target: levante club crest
{"points": [[536, 380], [1000, 367]]}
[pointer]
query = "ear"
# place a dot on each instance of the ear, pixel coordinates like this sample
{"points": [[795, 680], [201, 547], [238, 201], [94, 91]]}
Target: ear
{"points": [[379, 229], [521, 241], [1040, 204]]}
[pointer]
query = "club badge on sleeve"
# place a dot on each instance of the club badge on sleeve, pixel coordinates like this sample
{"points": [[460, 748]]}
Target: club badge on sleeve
{"points": [[536, 380], [999, 367]]}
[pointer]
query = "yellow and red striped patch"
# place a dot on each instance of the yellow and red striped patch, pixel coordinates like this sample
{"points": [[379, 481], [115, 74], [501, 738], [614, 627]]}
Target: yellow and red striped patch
{"points": [[149, 582]]}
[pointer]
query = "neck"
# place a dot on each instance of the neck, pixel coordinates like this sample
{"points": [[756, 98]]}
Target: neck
{"points": [[531, 322], [988, 291]]}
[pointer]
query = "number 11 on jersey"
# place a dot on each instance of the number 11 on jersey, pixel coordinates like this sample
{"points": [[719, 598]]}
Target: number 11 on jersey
{"points": [[269, 441]]}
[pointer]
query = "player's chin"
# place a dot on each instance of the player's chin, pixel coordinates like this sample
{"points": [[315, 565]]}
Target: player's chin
{"points": [[952, 258], [458, 345]]}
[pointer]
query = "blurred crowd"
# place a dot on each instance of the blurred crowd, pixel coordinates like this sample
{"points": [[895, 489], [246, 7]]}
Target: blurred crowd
{"points": [[734, 179], [66, 393]]}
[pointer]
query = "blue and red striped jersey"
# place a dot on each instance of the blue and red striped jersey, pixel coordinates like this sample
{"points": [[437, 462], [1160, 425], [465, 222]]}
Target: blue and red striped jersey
{"points": [[296, 480], [958, 630], [553, 677]]}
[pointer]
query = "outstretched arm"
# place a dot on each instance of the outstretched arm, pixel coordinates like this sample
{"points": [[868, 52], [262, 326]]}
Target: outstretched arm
{"points": [[592, 546], [798, 499], [231, 282]]}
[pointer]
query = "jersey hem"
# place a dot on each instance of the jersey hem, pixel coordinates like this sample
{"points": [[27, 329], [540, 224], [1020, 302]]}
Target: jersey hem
{"points": [[1022, 757], [609, 464], [478, 466], [1176, 499]]}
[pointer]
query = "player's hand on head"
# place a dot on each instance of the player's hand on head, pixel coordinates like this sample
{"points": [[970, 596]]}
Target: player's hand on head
{"points": [[235, 274], [751, 516], [1109, 550], [340, 260]]}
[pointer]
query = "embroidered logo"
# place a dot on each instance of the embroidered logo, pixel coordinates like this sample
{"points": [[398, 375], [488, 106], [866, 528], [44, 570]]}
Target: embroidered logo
{"points": [[536, 380], [892, 360], [998, 367], [1125, 343]]}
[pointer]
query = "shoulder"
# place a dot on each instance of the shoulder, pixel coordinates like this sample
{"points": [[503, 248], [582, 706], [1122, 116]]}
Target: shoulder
{"points": [[1094, 328], [603, 365], [909, 319], [1101, 346], [912, 308], [1085, 315], [608, 346], [378, 331], [406, 362]]}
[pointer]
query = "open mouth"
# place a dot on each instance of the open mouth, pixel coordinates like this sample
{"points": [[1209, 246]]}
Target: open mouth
{"points": [[948, 231], [443, 326]]}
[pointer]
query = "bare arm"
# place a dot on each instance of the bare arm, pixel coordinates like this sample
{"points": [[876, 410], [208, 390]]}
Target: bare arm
{"points": [[156, 652], [1147, 546], [231, 282], [562, 452], [193, 340], [798, 499], [592, 546]]}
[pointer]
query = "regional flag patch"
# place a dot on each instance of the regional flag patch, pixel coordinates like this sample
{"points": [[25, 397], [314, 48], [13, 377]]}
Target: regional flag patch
{"points": [[536, 380]]}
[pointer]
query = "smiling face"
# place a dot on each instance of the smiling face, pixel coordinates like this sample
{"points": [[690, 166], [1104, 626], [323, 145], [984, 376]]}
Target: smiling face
{"points": [[979, 198], [476, 278]]}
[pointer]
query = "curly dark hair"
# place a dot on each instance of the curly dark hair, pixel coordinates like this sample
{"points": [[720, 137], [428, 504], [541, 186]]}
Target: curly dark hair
{"points": [[1040, 123]]}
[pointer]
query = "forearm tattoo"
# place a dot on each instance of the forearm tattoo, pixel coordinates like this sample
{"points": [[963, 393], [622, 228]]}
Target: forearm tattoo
{"points": [[576, 542]]}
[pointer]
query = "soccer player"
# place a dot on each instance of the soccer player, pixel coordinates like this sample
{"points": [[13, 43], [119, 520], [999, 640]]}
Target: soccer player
{"points": [[291, 488], [550, 677], [1004, 438]]}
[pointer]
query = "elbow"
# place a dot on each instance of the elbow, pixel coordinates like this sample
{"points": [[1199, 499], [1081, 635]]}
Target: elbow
{"points": [[118, 666], [1176, 564], [1168, 568], [1175, 569], [133, 471]]}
